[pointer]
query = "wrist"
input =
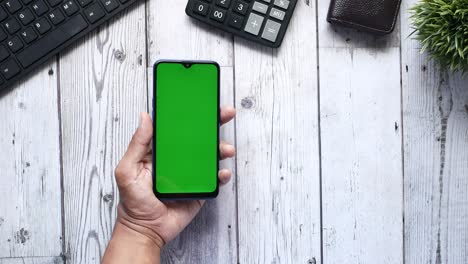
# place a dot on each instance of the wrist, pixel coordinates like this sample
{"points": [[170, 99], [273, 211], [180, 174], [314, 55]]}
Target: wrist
{"points": [[137, 233], [130, 246]]}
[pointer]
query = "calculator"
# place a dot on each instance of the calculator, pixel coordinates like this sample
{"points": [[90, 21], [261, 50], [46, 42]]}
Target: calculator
{"points": [[262, 21]]}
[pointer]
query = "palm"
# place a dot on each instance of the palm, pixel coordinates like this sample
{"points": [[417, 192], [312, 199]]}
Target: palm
{"points": [[138, 204]]}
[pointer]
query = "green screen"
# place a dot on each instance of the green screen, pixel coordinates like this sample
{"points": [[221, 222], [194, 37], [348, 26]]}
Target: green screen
{"points": [[186, 126]]}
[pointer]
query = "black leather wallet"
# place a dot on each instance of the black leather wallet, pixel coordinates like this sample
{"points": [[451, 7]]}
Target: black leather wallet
{"points": [[376, 16]]}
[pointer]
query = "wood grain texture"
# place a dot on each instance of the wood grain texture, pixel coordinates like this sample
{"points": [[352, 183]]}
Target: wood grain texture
{"points": [[277, 140], [30, 207], [436, 156], [32, 260], [173, 35], [211, 237], [103, 90], [362, 179]]}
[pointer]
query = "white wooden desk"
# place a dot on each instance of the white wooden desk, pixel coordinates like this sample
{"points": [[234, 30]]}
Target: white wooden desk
{"points": [[350, 148]]}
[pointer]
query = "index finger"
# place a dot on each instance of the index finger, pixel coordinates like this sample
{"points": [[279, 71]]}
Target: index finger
{"points": [[227, 114]]}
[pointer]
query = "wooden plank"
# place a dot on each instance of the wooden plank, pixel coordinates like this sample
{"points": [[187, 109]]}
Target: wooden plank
{"points": [[211, 237], [360, 124], [173, 35], [30, 210], [436, 153], [103, 90], [32, 260], [278, 152]]}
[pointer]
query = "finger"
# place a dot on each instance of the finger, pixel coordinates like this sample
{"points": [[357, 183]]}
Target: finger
{"points": [[226, 150], [224, 176], [128, 168], [140, 144], [227, 114]]}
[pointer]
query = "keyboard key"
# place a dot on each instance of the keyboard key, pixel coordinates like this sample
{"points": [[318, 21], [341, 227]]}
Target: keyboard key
{"points": [[42, 25], [110, 5], [3, 35], [278, 14], [240, 7], [218, 15], [26, 16], [26, 1], [40, 7], [94, 13], [3, 14], [13, 6], [28, 35], [9, 69], [84, 3], [4, 53], [14, 44], [254, 23], [52, 40], [56, 16], [282, 3], [270, 32], [201, 8], [12, 25], [259, 7], [54, 2], [223, 3], [236, 21], [70, 7]]}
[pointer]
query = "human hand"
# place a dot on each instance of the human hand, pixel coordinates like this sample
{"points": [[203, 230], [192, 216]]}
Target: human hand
{"points": [[139, 209]]}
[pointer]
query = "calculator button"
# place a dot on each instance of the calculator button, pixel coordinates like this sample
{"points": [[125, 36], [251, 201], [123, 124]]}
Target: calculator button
{"points": [[282, 3], [278, 14], [240, 7], [270, 32], [223, 3], [236, 21], [254, 23], [259, 7], [218, 15], [201, 8]]}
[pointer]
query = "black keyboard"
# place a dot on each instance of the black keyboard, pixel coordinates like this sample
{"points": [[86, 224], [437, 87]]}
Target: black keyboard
{"points": [[261, 21], [32, 31]]}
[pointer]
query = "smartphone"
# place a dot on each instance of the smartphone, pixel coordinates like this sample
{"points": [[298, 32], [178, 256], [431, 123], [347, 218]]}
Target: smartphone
{"points": [[186, 129]]}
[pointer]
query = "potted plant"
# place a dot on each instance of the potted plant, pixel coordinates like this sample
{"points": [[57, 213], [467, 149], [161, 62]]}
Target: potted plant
{"points": [[442, 28]]}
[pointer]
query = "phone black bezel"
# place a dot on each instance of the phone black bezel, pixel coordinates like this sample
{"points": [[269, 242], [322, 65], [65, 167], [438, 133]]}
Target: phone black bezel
{"points": [[185, 196]]}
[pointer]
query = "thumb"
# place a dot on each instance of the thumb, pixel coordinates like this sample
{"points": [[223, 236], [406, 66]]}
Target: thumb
{"points": [[138, 148], [140, 144]]}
